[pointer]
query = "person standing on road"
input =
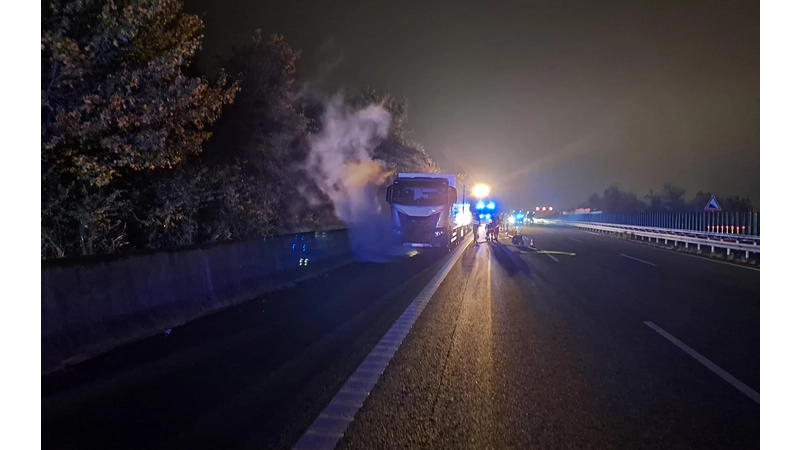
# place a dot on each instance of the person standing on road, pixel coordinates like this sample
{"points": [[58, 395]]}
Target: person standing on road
{"points": [[476, 225], [495, 227]]}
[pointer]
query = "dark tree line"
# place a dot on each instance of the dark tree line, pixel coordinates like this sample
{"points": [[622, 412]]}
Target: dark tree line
{"points": [[141, 151], [670, 198]]}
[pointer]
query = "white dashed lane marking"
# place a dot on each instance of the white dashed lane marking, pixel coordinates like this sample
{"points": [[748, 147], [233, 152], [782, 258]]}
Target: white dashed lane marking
{"points": [[746, 390], [637, 259]]}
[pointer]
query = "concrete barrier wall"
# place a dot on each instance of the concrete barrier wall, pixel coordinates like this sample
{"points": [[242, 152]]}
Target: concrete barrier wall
{"points": [[90, 306]]}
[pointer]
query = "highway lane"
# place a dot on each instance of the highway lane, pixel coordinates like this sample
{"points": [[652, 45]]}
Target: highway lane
{"points": [[253, 376], [538, 353], [514, 350], [712, 306]]}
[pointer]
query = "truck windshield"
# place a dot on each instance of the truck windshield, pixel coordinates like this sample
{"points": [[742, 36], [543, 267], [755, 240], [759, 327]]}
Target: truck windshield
{"points": [[419, 195]]}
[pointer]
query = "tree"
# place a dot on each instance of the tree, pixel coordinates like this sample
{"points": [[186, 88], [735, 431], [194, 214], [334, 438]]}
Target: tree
{"points": [[699, 202], [616, 201], [669, 199], [411, 157], [116, 105], [734, 203], [594, 202], [397, 152], [361, 99], [655, 203], [262, 140], [672, 198], [114, 96]]}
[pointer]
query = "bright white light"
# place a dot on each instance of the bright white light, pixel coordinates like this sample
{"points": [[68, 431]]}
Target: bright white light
{"points": [[511, 220], [480, 190], [463, 218], [537, 208], [551, 208]]}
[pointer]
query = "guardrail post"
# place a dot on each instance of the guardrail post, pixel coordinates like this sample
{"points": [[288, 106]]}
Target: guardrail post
{"points": [[757, 228], [738, 223]]}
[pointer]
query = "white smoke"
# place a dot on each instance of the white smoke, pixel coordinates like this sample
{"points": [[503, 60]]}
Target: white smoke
{"points": [[340, 163]]}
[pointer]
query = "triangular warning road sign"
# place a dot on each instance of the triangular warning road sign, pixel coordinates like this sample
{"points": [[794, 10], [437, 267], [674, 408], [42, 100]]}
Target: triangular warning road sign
{"points": [[713, 205]]}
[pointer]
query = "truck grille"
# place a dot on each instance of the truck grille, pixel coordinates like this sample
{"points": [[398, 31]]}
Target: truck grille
{"points": [[417, 229]]}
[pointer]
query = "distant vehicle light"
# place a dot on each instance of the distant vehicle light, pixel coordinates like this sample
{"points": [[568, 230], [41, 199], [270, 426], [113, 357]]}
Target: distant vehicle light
{"points": [[551, 208], [511, 220]]}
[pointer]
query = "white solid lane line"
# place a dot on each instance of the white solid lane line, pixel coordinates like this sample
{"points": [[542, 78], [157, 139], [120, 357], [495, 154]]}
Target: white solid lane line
{"points": [[746, 390], [332, 422], [637, 259]]}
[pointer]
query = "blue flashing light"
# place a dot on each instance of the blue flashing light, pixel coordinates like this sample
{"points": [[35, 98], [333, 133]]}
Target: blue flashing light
{"points": [[480, 204], [520, 216], [491, 205], [482, 216]]}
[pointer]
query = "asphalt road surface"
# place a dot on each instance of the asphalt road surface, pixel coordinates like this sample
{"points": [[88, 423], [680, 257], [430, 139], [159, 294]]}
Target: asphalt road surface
{"points": [[590, 347]]}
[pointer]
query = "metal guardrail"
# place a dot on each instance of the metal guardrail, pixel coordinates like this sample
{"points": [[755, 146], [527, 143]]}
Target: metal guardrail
{"points": [[747, 244], [729, 223]]}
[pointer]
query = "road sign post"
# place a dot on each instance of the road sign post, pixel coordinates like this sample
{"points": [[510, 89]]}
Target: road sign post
{"points": [[713, 205]]}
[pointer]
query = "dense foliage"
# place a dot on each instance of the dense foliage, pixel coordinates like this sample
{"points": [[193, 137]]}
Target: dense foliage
{"points": [[669, 199], [139, 151]]}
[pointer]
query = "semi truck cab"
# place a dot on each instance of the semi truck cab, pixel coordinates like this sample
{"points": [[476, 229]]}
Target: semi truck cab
{"points": [[422, 210]]}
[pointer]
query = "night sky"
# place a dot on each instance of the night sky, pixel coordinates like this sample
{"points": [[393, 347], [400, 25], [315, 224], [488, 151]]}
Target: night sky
{"points": [[546, 101]]}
